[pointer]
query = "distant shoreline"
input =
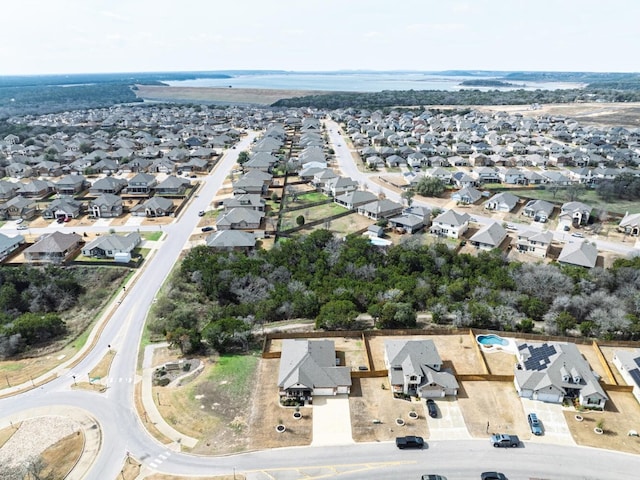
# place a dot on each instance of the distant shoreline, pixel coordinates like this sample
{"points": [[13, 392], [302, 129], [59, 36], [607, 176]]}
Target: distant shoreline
{"points": [[222, 96]]}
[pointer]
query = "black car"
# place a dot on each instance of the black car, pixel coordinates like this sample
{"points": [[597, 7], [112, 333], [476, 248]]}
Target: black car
{"points": [[409, 442], [493, 476], [433, 477], [206, 229], [431, 407]]}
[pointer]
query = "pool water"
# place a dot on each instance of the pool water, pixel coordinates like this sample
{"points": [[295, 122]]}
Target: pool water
{"points": [[492, 340]]}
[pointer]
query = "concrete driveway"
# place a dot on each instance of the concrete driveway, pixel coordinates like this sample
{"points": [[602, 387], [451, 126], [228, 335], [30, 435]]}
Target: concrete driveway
{"points": [[554, 424], [449, 425], [331, 421]]}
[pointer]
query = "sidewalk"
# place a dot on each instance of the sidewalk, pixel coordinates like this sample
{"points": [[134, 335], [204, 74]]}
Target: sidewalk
{"points": [[150, 406]]}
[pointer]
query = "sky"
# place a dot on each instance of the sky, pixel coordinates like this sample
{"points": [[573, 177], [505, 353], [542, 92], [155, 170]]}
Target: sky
{"points": [[100, 36]]}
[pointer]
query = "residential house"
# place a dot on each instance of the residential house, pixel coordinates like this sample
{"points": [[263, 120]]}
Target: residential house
{"points": [[240, 219], [254, 181], [450, 224], [628, 364], [415, 368], [467, 196], [154, 207], [502, 202], [18, 207], [577, 212], [106, 205], [111, 185], [339, 186], [352, 200], [231, 240], [62, 208], [487, 175], [581, 253], [53, 247], [322, 177], [71, 185], [309, 368], [412, 219], [552, 372], [489, 237], [539, 210], [172, 186], [36, 188], [108, 246], [141, 184], [9, 244], [463, 180], [379, 209], [534, 243], [245, 200], [630, 224], [513, 176]]}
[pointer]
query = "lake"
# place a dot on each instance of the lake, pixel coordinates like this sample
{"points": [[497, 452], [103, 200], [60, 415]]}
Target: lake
{"points": [[356, 82]]}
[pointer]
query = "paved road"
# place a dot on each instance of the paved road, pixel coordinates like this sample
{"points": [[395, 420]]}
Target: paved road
{"points": [[123, 431]]}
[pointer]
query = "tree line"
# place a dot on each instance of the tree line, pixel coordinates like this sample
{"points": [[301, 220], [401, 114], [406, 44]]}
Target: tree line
{"points": [[217, 298]]}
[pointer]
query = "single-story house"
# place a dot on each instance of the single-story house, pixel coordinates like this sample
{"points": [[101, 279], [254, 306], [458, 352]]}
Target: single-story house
{"points": [[412, 219], [379, 209], [240, 219], [554, 371], [581, 253], [415, 368], [245, 200], [630, 224], [489, 237], [231, 240], [467, 195], [154, 207], [309, 368], [628, 364], [502, 202], [107, 246], [355, 199], [9, 244], [53, 247], [539, 210]]}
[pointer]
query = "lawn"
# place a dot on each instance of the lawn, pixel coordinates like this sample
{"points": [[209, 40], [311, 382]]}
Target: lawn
{"points": [[590, 197], [151, 236], [310, 214]]}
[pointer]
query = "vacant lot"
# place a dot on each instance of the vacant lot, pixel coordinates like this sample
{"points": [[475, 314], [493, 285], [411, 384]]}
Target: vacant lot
{"points": [[495, 403]]}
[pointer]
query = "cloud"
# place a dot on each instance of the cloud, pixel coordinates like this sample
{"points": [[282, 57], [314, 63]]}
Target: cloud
{"points": [[114, 15], [437, 27]]}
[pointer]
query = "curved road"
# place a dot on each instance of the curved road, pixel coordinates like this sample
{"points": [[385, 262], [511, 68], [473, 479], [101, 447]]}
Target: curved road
{"points": [[123, 431]]}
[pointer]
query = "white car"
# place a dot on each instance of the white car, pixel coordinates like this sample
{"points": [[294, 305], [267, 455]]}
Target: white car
{"points": [[19, 221], [22, 227]]}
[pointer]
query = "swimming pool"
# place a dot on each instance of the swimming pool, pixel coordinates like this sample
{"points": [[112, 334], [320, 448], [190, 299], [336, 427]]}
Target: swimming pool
{"points": [[491, 339]]}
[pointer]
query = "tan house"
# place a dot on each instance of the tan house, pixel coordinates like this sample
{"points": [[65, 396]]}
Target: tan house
{"points": [[53, 247]]}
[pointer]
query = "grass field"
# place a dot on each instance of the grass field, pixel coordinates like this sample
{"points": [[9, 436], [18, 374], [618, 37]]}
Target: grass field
{"points": [[590, 197]]}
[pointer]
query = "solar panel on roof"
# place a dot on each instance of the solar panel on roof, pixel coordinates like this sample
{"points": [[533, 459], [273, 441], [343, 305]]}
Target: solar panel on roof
{"points": [[637, 360], [635, 374]]}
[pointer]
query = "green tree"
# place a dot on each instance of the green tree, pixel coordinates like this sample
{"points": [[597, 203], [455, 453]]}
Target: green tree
{"points": [[430, 187], [243, 157], [300, 220], [337, 315], [397, 315]]}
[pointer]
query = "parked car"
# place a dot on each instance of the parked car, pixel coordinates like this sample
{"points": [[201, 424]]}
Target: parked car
{"points": [[534, 424], [409, 442], [433, 477], [504, 440], [492, 476], [511, 226], [431, 408], [60, 219], [566, 228], [206, 229], [577, 234], [22, 227], [67, 219], [201, 213], [19, 221]]}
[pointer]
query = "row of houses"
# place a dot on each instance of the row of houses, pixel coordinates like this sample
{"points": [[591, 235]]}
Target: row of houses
{"points": [[552, 372]]}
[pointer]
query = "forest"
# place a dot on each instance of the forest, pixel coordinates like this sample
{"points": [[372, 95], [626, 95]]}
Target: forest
{"points": [[389, 98], [218, 298], [35, 303]]}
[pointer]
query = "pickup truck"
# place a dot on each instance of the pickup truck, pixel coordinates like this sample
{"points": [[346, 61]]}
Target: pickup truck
{"points": [[504, 440], [409, 442]]}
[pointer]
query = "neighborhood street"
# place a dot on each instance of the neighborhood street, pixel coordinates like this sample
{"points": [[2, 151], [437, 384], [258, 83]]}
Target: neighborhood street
{"points": [[123, 432]]}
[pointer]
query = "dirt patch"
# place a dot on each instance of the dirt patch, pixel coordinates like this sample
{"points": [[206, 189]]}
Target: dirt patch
{"points": [[500, 363], [374, 411], [130, 469], [158, 476], [494, 403], [62, 456], [101, 370], [622, 414]]}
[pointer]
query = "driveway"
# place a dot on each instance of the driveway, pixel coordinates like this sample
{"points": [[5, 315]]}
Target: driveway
{"points": [[331, 421], [554, 424], [449, 425]]}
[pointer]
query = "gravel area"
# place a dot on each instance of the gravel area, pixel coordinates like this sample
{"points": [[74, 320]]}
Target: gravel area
{"points": [[34, 436]]}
